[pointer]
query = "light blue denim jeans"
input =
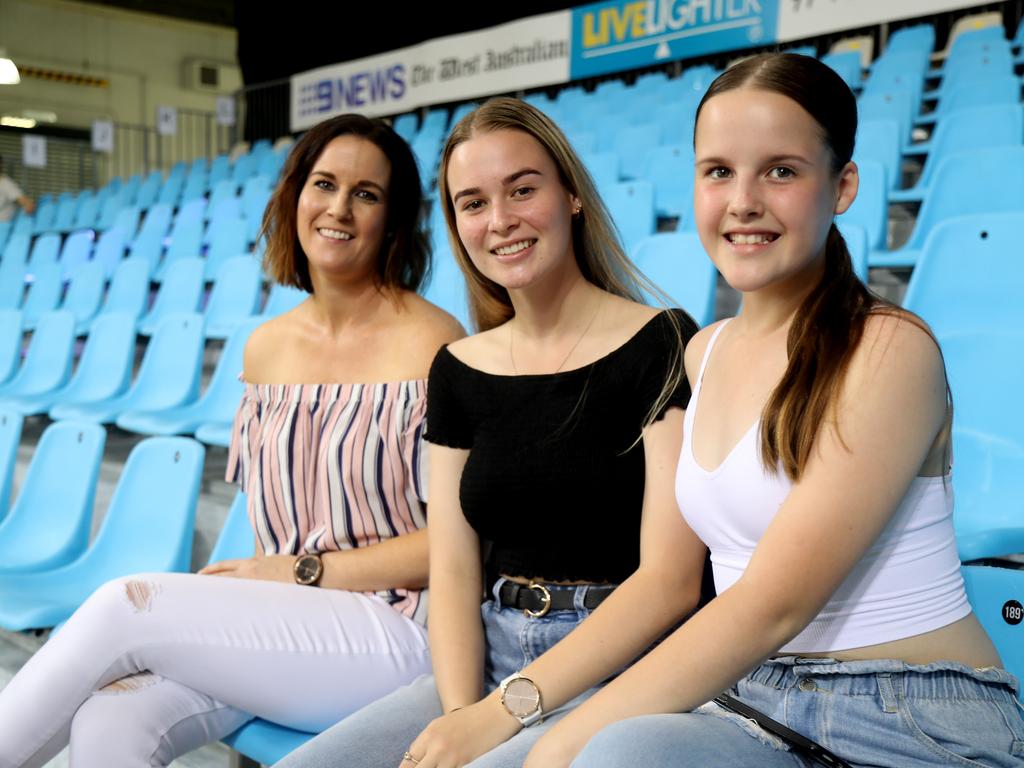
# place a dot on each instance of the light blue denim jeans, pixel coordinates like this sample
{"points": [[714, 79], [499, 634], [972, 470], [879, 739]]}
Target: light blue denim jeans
{"points": [[875, 713], [377, 735]]}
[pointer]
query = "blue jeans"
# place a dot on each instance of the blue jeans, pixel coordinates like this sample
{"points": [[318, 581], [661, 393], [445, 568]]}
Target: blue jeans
{"points": [[870, 713], [377, 735]]}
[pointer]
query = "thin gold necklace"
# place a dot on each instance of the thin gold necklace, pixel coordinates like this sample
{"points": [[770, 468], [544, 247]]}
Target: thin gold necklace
{"points": [[568, 354]]}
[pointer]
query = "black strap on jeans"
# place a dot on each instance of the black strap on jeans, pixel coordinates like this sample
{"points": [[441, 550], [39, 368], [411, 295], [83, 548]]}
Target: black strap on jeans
{"points": [[801, 745]]}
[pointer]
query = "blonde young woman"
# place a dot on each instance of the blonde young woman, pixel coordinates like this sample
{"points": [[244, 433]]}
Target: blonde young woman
{"points": [[554, 434], [815, 463]]}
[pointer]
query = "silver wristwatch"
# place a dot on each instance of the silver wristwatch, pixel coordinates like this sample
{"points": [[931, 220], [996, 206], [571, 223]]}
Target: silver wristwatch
{"points": [[521, 698]]}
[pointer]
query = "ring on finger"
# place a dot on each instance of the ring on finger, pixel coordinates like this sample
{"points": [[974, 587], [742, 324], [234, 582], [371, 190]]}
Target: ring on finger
{"points": [[410, 758]]}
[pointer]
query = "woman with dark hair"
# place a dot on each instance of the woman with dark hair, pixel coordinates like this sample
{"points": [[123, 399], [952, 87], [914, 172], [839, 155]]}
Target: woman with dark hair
{"points": [[815, 465], [553, 436], [328, 448]]}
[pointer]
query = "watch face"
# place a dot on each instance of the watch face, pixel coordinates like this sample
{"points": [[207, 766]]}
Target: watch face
{"points": [[521, 697], [307, 569]]}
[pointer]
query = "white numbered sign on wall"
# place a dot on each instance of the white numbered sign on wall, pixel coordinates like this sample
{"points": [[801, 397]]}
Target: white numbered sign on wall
{"points": [[103, 136], [166, 121], [33, 151]]}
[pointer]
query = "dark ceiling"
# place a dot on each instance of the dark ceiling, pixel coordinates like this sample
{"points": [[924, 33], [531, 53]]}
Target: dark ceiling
{"points": [[220, 12]]}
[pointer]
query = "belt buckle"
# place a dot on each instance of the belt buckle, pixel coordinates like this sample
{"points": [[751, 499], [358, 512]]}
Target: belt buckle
{"points": [[545, 597]]}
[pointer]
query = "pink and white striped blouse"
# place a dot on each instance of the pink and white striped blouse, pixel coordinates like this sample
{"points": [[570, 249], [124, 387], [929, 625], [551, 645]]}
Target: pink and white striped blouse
{"points": [[333, 467]]}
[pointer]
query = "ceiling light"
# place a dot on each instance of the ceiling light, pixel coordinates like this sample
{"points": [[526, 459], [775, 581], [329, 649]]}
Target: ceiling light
{"points": [[8, 72], [17, 122]]}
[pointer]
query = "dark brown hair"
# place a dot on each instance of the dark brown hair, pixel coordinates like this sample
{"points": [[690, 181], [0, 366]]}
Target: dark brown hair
{"points": [[829, 324], [405, 255]]}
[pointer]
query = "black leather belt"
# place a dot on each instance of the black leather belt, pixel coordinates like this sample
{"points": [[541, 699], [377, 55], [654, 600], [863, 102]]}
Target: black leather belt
{"points": [[537, 600]]}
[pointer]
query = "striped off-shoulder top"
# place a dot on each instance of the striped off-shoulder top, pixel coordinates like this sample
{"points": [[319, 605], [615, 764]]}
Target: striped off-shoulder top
{"points": [[333, 467]]}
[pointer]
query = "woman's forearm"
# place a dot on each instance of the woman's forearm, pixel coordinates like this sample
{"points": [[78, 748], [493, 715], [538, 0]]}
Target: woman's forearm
{"points": [[456, 635], [397, 563]]}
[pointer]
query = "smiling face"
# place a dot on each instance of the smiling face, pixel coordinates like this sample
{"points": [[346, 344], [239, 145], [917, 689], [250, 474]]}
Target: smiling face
{"points": [[766, 192], [512, 212], [342, 211]]}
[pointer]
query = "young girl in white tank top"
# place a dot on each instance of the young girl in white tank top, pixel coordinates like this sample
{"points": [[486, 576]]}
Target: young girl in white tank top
{"points": [[815, 466]]}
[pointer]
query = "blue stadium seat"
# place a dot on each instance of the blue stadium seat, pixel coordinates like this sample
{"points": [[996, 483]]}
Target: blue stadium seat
{"points": [[49, 524], [149, 190], [12, 283], [157, 222], [16, 248], [186, 243], [168, 376], [44, 294], [271, 164], [283, 298], [85, 294], [406, 125], [45, 216], [230, 239], [147, 247], [217, 404], [447, 287], [87, 212], [969, 276], [632, 144], [179, 292], [989, 180], [631, 205], [870, 209], [984, 64], [893, 105], [147, 528], [677, 264], [996, 595], [76, 251], [847, 65], [997, 125], [215, 433], [235, 296], [47, 364], [670, 169], [170, 190], [220, 169], [603, 167], [103, 372], [10, 438], [109, 212], [976, 92], [129, 290], [5, 231], [109, 250], [45, 250], [11, 332], [879, 140], [64, 219], [245, 166], [223, 191], [127, 220], [919, 37]]}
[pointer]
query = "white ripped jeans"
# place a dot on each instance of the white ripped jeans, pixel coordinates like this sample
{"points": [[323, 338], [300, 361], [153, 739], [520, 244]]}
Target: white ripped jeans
{"points": [[155, 665]]}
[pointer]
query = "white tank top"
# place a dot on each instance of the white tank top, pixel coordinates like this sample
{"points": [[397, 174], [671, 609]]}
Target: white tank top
{"points": [[906, 584]]}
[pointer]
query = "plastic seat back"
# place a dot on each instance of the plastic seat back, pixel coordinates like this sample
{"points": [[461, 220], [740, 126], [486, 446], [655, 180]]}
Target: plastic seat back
{"points": [[105, 366], [283, 298], [129, 289], [179, 292], [235, 295], [10, 438], [236, 540], [870, 209], [45, 250], [670, 169], [969, 276], [677, 264], [85, 293], [879, 141], [995, 125], [150, 520], [631, 205], [47, 364], [44, 293], [11, 331], [110, 250], [77, 250], [49, 524], [230, 240], [12, 283], [988, 180]]}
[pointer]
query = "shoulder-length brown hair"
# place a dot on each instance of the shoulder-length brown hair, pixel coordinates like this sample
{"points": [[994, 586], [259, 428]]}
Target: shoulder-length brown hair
{"points": [[829, 324], [405, 254]]}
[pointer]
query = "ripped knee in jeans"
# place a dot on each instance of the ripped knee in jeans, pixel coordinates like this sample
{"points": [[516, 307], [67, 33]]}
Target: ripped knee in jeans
{"points": [[750, 727], [140, 594], [131, 683]]}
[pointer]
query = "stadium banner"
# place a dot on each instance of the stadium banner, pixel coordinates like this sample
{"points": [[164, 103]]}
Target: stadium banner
{"points": [[628, 34], [808, 18], [527, 53]]}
